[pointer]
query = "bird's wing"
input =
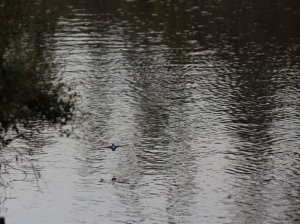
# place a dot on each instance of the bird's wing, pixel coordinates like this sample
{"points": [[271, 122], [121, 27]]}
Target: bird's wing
{"points": [[121, 145], [106, 147]]}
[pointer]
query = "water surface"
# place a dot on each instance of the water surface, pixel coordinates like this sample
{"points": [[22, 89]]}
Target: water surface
{"points": [[205, 96]]}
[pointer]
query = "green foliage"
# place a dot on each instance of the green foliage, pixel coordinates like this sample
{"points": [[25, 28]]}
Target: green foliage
{"points": [[30, 93]]}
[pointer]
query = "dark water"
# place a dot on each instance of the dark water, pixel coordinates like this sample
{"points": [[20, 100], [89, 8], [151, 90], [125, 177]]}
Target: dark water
{"points": [[206, 96]]}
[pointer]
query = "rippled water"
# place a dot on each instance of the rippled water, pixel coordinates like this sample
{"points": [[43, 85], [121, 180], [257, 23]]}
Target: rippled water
{"points": [[206, 98]]}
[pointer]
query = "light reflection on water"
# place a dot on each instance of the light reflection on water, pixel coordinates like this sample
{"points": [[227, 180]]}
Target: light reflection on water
{"points": [[209, 139]]}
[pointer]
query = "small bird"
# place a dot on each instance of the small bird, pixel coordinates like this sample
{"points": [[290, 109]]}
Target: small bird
{"points": [[113, 147]]}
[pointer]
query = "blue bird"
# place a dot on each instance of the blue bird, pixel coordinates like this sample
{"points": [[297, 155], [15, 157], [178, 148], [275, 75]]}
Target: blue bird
{"points": [[113, 147]]}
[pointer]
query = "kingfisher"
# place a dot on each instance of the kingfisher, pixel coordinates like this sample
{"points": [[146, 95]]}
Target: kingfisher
{"points": [[113, 147]]}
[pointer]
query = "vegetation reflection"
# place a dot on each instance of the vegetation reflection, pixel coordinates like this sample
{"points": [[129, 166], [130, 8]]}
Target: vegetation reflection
{"points": [[32, 96]]}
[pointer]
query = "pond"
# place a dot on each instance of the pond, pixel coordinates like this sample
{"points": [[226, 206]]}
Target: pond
{"points": [[204, 98]]}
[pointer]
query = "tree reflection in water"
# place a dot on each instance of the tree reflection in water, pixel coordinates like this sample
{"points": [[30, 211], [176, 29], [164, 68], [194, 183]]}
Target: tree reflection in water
{"points": [[32, 96]]}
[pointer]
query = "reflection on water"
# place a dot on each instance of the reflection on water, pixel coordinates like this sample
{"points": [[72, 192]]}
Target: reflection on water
{"points": [[205, 96]]}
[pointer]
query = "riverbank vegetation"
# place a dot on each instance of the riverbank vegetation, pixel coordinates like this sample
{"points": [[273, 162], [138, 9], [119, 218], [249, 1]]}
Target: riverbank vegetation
{"points": [[32, 94]]}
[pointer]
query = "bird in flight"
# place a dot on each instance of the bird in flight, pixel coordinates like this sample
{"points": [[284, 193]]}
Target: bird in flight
{"points": [[113, 147]]}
